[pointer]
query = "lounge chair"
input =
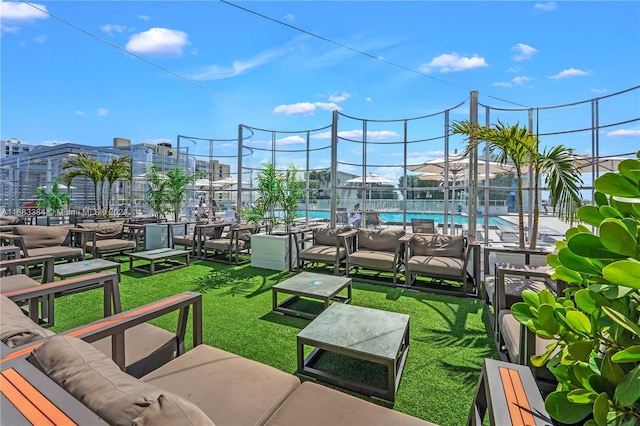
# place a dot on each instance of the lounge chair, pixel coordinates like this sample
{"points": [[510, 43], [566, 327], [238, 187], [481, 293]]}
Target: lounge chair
{"points": [[375, 249], [227, 249], [423, 226], [324, 245], [103, 238], [439, 257], [36, 240]]}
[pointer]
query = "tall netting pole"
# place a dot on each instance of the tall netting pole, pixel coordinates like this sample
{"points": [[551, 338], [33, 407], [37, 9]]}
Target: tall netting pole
{"points": [[473, 168]]}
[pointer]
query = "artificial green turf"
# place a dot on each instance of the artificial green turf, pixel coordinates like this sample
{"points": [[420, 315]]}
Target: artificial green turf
{"points": [[449, 336]]}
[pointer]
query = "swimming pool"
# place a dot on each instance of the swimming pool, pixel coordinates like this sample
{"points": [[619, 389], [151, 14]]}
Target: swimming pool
{"points": [[397, 217]]}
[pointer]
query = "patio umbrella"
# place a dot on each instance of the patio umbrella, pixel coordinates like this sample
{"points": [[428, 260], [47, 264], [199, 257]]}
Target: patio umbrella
{"points": [[226, 182], [588, 164], [440, 176], [370, 178], [60, 185]]}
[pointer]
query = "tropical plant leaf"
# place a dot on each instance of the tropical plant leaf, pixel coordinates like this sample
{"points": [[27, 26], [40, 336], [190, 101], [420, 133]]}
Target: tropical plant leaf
{"points": [[610, 370], [547, 319], [588, 245], [632, 226], [560, 408], [582, 396], [579, 322], [576, 263], [616, 184], [600, 199], [628, 391], [615, 236], [621, 319], [590, 215], [567, 275], [581, 349], [631, 354], [630, 169], [609, 212], [623, 272], [601, 409]]}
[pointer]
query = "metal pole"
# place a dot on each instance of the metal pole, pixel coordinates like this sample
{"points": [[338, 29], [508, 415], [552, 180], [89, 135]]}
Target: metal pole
{"points": [[473, 169], [334, 168]]}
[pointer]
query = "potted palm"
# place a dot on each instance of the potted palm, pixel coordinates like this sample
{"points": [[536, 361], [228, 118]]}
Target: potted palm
{"points": [[54, 200], [275, 211]]}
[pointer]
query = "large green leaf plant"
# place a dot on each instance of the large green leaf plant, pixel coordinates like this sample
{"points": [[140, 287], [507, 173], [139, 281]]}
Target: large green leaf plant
{"points": [[595, 325]]}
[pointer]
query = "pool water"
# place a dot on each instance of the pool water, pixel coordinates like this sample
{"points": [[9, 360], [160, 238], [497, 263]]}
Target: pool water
{"points": [[398, 217]]}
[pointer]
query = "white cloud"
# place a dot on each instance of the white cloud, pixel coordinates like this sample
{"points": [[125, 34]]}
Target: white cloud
{"points": [[523, 52], [289, 17], [80, 113], [452, 62], [305, 108], [10, 29], [158, 42], [369, 99], [335, 97], [113, 28], [623, 133], [40, 38], [357, 135], [571, 72], [516, 81], [22, 12], [103, 112], [545, 7], [215, 72], [291, 140], [598, 91], [144, 17]]}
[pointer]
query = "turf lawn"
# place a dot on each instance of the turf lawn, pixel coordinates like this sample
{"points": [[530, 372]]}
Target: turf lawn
{"points": [[450, 335]]}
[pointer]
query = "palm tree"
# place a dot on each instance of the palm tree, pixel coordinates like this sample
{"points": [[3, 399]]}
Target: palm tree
{"points": [[517, 144], [176, 185], [83, 165], [115, 169]]}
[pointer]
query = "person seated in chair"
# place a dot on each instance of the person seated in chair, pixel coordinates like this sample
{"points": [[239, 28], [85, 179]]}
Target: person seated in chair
{"points": [[354, 219]]}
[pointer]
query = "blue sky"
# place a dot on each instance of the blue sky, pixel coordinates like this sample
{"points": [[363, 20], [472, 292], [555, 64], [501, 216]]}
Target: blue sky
{"points": [[203, 67]]}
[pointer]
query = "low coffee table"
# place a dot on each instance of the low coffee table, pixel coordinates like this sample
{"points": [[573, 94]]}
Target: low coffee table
{"points": [[70, 269], [366, 334], [313, 286], [163, 255]]}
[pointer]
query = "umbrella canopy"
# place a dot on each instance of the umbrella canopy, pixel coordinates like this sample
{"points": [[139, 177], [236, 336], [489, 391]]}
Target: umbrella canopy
{"points": [[440, 176], [370, 178], [228, 181], [588, 164], [60, 185], [202, 182], [458, 165]]}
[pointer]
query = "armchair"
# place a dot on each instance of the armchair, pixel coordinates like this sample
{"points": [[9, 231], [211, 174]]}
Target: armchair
{"points": [[236, 241], [103, 238], [36, 240], [374, 249], [324, 245], [440, 257]]}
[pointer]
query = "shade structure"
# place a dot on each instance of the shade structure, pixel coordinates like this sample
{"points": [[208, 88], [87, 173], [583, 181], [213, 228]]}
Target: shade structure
{"points": [[369, 178], [439, 177], [202, 182], [588, 164], [60, 185], [226, 182], [457, 165]]}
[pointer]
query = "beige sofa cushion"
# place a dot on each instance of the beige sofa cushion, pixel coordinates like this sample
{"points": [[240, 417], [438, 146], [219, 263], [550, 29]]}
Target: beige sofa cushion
{"points": [[17, 329], [104, 230], [230, 389], [10, 220], [314, 404], [438, 245], [35, 236], [97, 382], [379, 240], [327, 236]]}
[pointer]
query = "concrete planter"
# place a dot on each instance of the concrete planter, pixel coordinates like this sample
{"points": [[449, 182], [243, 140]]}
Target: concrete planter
{"points": [[272, 252]]}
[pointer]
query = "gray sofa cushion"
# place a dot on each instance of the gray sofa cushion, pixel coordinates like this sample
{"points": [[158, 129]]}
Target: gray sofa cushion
{"points": [[438, 245], [97, 382], [379, 240], [17, 329]]}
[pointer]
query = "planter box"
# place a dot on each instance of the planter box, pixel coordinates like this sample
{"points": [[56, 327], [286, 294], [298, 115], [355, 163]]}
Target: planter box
{"points": [[272, 252]]}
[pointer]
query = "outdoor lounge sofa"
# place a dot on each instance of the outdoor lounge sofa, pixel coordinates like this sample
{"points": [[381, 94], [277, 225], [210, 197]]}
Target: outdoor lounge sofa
{"points": [[227, 248], [135, 345], [205, 385], [103, 238], [36, 240]]}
